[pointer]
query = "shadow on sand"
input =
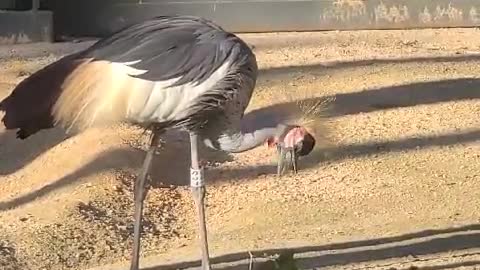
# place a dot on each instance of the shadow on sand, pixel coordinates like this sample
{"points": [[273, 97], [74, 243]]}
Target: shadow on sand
{"points": [[408, 95], [423, 243], [336, 65]]}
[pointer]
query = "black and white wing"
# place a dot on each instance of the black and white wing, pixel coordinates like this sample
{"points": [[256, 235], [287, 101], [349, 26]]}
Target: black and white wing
{"points": [[164, 70]]}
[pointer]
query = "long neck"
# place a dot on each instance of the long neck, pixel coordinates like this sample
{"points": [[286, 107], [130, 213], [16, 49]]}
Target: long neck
{"points": [[250, 133]]}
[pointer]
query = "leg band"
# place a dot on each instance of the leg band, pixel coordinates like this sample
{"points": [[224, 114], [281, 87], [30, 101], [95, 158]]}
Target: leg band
{"points": [[196, 178]]}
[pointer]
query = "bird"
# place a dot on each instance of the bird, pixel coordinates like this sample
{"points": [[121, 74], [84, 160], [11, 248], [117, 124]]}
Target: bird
{"points": [[167, 72]]}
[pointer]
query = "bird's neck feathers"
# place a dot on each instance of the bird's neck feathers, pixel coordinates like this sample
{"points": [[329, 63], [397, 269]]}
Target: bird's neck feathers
{"points": [[246, 139]]}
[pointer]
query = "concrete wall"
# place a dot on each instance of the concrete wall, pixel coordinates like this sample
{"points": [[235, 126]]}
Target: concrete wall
{"points": [[26, 26], [101, 17], [21, 21]]}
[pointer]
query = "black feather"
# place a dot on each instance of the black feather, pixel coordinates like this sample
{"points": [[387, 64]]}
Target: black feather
{"points": [[28, 107]]}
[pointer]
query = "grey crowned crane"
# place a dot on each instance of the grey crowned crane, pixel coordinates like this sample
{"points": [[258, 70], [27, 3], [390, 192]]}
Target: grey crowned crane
{"points": [[181, 72]]}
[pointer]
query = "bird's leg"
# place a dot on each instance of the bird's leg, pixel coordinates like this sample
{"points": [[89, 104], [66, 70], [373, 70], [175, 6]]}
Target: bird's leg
{"points": [[281, 160], [197, 183], [294, 156], [140, 192], [287, 157]]}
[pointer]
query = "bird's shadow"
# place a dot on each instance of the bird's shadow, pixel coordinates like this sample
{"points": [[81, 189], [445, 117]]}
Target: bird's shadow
{"points": [[423, 243]]}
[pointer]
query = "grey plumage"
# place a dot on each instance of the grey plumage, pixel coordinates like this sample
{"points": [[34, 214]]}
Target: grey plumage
{"points": [[188, 47]]}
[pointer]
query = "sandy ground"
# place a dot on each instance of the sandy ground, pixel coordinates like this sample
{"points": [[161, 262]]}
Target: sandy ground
{"points": [[395, 187]]}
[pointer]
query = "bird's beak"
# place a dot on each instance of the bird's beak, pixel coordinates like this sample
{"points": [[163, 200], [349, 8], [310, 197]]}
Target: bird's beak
{"points": [[287, 159]]}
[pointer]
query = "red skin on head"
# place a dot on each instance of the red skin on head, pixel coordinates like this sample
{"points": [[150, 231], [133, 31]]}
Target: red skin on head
{"points": [[293, 136]]}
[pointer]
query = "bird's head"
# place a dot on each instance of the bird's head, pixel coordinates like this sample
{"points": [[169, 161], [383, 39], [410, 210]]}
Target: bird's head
{"points": [[294, 142]]}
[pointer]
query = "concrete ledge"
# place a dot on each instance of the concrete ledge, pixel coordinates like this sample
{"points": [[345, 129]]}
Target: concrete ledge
{"points": [[26, 26]]}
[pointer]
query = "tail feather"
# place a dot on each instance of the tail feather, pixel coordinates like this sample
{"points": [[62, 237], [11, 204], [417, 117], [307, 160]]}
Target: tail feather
{"points": [[99, 92], [28, 108], [75, 93]]}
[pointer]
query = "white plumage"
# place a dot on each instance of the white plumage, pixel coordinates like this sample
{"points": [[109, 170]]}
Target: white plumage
{"points": [[164, 102], [102, 92]]}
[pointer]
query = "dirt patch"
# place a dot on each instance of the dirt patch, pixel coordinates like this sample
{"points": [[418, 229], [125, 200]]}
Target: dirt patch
{"points": [[401, 156], [91, 231]]}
